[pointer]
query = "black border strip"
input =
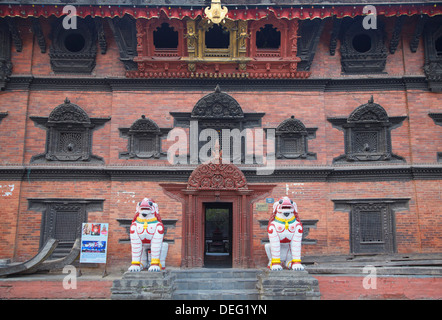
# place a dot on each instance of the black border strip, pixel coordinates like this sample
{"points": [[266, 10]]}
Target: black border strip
{"points": [[93, 84]]}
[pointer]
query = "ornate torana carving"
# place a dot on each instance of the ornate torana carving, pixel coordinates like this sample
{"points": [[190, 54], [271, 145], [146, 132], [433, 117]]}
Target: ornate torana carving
{"points": [[292, 125], [371, 112], [217, 105], [68, 113], [217, 176]]}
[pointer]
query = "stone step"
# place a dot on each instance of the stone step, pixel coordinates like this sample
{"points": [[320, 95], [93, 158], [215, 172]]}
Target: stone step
{"points": [[216, 273], [215, 295], [215, 284]]}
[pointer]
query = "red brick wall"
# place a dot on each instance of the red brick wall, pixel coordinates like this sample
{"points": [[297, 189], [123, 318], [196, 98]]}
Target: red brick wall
{"points": [[417, 140], [395, 288], [331, 288]]}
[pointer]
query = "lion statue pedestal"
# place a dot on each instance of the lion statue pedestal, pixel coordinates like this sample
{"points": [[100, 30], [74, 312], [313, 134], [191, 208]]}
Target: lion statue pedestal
{"points": [[285, 235], [146, 232]]}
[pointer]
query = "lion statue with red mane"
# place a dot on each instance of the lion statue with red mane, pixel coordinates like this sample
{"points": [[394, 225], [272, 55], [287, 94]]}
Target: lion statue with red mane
{"points": [[285, 235], [146, 232]]}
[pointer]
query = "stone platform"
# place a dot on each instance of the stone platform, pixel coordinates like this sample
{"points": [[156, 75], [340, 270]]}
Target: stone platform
{"points": [[288, 285], [216, 284], [143, 285]]}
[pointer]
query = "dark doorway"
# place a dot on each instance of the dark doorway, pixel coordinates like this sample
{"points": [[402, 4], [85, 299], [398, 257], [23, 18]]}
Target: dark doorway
{"points": [[218, 235]]}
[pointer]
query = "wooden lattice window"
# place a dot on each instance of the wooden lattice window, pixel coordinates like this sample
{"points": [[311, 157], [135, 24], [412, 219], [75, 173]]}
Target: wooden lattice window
{"points": [[291, 140], [218, 111], [144, 139], [62, 220], [367, 134], [69, 134], [372, 223]]}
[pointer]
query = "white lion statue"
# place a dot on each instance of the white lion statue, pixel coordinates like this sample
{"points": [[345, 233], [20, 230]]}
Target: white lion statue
{"points": [[146, 232], [285, 235]]}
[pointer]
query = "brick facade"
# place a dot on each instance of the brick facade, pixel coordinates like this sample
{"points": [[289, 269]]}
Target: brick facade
{"points": [[417, 140]]}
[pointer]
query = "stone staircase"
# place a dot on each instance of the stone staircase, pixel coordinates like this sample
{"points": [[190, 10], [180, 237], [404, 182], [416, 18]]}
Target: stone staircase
{"points": [[215, 284]]}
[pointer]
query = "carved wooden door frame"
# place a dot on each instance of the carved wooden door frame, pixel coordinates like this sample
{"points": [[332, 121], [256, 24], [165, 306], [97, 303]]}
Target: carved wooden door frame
{"points": [[230, 187]]}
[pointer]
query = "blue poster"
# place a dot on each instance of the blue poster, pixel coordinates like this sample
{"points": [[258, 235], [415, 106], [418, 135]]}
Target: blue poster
{"points": [[94, 242]]}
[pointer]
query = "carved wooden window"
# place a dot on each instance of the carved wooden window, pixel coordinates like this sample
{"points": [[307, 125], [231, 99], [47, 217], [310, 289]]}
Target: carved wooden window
{"points": [[367, 134], [437, 118], [273, 48], [160, 42], [217, 40], [73, 50], [218, 111], [217, 37], [144, 139], [362, 50], [165, 37], [62, 219], [269, 38], [69, 134], [371, 228], [433, 53], [291, 140], [372, 223], [5, 54], [216, 48]]}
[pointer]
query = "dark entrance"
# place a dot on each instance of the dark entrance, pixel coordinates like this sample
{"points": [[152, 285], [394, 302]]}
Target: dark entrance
{"points": [[218, 235]]}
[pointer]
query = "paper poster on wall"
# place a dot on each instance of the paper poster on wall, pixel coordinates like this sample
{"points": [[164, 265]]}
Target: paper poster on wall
{"points": [[94, 242]]}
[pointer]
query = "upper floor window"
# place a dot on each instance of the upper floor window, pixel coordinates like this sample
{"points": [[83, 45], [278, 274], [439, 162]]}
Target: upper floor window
{"points": [[438, 46], [217, 37], [73, 50], [165, 37], [433, 53], [268, 37], [362, 50]]}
